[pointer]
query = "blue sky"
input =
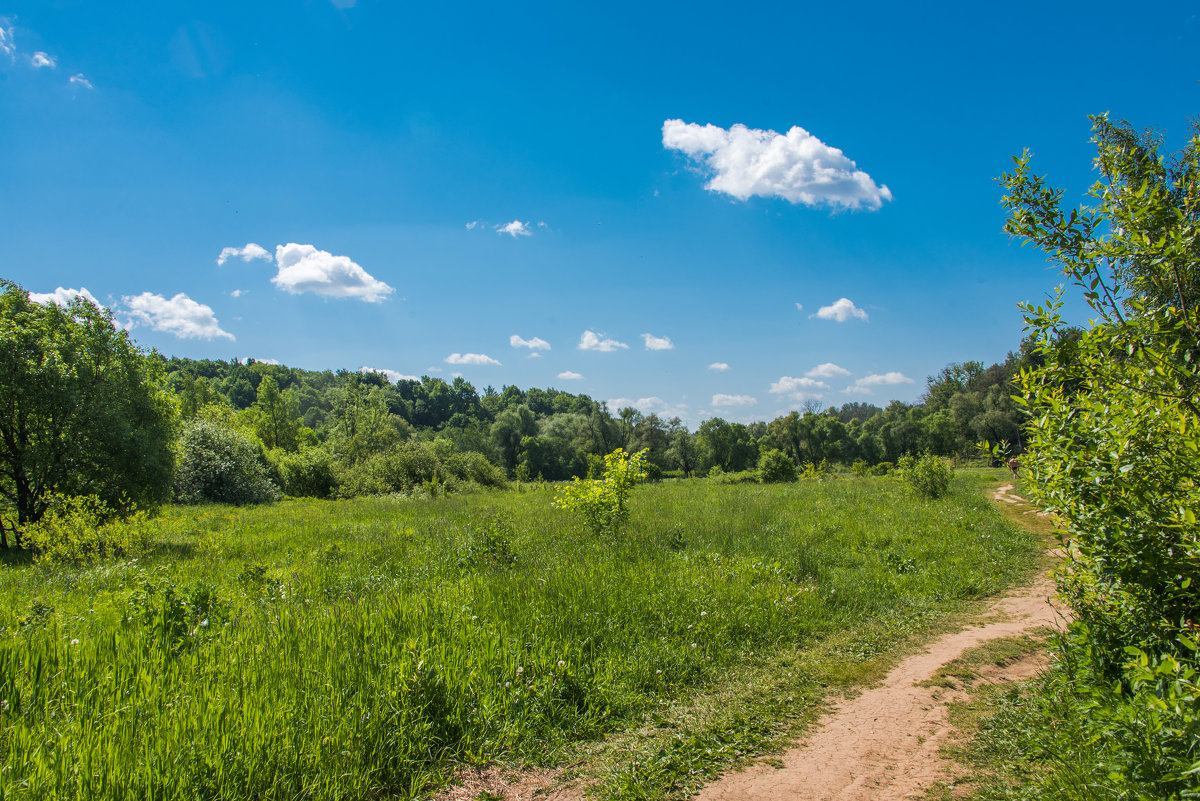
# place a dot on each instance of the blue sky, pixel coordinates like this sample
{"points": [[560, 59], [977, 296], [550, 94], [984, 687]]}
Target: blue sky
{"points": [[698, 209]]}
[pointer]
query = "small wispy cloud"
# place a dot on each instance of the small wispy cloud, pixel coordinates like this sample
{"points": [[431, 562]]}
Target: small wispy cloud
{"points": [[797, 166], [864, 385], [7, 46], [827, 370], [720, 367], [41, 60], [799, 307], [249, 252], [393, 376], [570, 375], [514, 229], [78, 80], [472, 225], [590, 340], [657, 343], [471, 358], [179, 315], [237, 293], [537, 343], [840, 310], [720, 400], [650, 405]]}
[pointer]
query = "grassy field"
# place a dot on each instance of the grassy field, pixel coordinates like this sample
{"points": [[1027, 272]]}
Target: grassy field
{"points": [[361, 649]]}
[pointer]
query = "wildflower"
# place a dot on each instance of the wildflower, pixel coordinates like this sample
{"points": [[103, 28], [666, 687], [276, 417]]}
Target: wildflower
{"points": [[562, 664], [474, 618], [693, 645], [520, 670], [74, 642], [704, 614], [658, 673], [508, 685], [691, 625]]}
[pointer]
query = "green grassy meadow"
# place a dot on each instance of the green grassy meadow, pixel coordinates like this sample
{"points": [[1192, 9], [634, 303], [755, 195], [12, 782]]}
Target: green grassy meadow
{"points": [[361, 649]]}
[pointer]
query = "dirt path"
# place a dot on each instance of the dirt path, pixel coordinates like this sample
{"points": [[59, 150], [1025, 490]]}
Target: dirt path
{"points": [[884, 743], [881, 745]]}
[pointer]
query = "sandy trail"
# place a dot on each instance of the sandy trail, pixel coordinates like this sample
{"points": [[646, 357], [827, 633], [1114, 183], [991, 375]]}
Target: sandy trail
{"points": [[884, 743], [881, 745]]}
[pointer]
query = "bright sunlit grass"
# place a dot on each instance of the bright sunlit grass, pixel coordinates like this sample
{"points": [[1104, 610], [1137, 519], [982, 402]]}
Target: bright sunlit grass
{"points": [[357, 648]]}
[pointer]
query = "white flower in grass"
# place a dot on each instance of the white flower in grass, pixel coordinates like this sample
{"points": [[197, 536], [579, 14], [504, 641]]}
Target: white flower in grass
{"points": [[562, 664], [520, 670], [75, 642], [704, 614], [693, 645], [508, 685]]}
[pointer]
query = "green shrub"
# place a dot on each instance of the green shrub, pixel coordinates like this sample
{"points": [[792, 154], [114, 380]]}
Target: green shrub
{"points": [[653, 472], [219, 465], [474, 466], [860, 468], [927, 474], [307, 474], [816, 470], [776, 467], [881, 469], [83, 530], [400, 469], [740, 477], [489, 544], [604, 503]]}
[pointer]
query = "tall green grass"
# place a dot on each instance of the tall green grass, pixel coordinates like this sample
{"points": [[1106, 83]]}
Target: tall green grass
{"points": [[356, 649]]}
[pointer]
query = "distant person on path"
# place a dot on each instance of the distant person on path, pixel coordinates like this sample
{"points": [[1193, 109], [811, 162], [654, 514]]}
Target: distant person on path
{"points": [[1014, 465]]}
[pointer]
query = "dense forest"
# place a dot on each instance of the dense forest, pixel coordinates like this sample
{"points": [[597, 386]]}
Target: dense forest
{"points": [[349, 433]]}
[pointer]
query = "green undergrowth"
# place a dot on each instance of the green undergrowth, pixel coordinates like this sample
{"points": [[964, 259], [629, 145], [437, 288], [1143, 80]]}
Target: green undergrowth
{"points": [[359, 649]]}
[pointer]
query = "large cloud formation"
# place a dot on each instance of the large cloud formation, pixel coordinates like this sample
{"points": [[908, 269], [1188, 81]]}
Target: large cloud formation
{"points": [[304, 268], [796, 166]]}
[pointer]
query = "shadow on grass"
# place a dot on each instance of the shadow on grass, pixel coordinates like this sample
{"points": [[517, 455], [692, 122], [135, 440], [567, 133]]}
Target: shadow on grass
{"points": [[15, 557]]}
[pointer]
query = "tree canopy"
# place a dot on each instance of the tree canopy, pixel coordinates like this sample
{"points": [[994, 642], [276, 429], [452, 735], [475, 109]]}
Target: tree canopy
{"points": [[82, 411]]}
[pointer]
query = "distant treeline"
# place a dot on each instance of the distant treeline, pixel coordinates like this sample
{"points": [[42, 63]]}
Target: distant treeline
{"points": [[361, 432]]}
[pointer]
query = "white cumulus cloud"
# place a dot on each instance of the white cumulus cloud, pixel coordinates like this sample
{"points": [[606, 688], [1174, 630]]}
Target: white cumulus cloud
{"points": [[841, 310], [796, 166], [798, 388], [78, 80], [40, 59], [827, 370], [537, 343], [303, 268], [181, 316], [470, 358], [249, 252], [262, 361], [392, 375], [514, 229], [720, 367], [657, 343], [720, 400], [62, 296], [864, 384], [569, 375], [590, 340]]}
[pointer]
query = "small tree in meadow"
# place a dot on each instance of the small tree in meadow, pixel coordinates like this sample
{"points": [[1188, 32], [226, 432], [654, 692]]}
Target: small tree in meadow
{"points": [[603, 503]]}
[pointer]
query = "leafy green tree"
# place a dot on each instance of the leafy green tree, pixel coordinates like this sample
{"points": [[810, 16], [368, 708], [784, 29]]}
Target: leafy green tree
{"points": [[604, 503], [82, 412], [276, 417], [1114, 435], [511, 426]]}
